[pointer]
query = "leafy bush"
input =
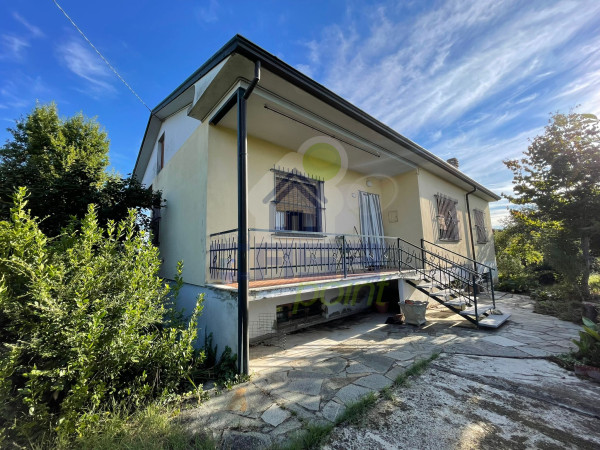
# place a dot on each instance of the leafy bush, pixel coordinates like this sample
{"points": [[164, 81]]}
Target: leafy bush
{"points": [[561, 300], [85, 323], [588, 343], [595, 284]]}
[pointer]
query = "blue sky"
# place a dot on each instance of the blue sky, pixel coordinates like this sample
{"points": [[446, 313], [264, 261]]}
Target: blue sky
{"points": [[467, 79]]}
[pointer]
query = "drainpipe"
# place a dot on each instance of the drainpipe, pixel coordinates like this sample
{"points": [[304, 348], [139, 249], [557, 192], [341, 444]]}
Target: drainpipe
{"points": [[471, 228], [243, 275]]}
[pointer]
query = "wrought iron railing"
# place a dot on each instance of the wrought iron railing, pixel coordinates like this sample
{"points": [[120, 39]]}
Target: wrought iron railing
{"points": [[482, 273], [273, 254], [290, 255]]}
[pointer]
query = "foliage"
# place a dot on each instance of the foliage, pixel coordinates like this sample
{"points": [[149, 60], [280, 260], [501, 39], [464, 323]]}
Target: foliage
{"points": [[152, 427], [62, 163], [518, 255], [595, 283], [559, 180], [222, 368], [589, 343], [562, 300], [85, 322]]}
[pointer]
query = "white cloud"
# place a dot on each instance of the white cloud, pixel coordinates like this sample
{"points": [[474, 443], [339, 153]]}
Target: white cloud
{"points": [[208, 13], [33, 30], [305, 69], [12, 47], [87, 65], [474, 79]]}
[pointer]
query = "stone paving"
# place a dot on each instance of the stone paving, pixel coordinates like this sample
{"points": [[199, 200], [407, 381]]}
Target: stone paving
{"points": [[329, 366]]}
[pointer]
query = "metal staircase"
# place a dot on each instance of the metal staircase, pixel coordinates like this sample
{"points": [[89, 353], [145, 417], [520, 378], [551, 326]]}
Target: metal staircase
{"points": [[461, 284]]}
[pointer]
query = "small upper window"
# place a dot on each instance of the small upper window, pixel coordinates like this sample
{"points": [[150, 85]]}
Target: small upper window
{"points": [[447, 218], [482, 234], [160, 154], [298, 202]]}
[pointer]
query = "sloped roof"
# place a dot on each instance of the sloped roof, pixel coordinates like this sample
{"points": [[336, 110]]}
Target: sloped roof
{"points": [[242, 46]]}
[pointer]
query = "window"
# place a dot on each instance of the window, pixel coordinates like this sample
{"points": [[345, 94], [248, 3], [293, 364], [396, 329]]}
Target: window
{"points": [[160, 154], [155, 225], [447, 219], [482, 235], [298, 202]]}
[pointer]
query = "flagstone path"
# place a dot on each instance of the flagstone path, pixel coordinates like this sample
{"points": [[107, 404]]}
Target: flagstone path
{"points": [[329, 366]]}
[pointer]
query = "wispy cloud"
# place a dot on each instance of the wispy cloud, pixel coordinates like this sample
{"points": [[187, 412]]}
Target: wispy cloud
{"points": [[21, 90], [469, 78], [33, 30], [85, 64], [208, 13], [12, 47]]}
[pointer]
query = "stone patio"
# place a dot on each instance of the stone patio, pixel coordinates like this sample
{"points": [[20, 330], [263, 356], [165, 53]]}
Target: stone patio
{"points": [[329, 366]]}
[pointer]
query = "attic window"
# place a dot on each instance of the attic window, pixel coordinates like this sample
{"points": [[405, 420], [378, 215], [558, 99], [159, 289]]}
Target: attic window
{"points": [[160, 155], [447, 218], [482, 234], [298, 202]]}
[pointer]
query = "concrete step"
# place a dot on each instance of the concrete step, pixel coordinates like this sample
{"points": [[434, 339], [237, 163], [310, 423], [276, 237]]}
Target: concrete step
{"points": [[457, 303], [481, 309], [494, 320], [448, 292], [430, 286]]}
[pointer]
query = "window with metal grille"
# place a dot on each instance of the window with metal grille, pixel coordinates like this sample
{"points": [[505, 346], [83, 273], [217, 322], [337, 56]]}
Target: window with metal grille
{"points": [[482, 234], [447, 219], [298, 202]]}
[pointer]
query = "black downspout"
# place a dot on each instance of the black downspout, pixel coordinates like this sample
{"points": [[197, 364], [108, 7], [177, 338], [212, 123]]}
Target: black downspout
{"points": [[471, 229], [242, 257]]}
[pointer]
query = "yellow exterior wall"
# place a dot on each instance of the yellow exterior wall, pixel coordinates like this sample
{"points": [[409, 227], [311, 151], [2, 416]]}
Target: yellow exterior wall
{"points": [[429, 186], [400, 207], [341, 196], [183, 181], [199, 185]]}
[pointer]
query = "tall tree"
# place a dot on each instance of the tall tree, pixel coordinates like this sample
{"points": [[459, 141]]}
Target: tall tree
{"points": [[62, 163], [560, 176]]}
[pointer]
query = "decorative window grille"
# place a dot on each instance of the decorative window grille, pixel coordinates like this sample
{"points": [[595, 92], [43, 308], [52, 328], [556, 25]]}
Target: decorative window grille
{"points": [[298, 202], [447, 219], [482, 234]]}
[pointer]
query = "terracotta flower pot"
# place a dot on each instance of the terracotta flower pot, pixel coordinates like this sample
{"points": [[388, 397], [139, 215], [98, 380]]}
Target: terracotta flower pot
{"points": [[382, 308]]}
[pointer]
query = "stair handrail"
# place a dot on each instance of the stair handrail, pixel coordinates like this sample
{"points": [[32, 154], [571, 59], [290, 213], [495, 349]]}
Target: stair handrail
{"points": [[443, 258], [475, 263], [458, 254], [443, 270], [466, 279]]}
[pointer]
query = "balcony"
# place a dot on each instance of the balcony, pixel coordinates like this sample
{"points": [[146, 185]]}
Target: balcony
{"points": [[276, 257]]}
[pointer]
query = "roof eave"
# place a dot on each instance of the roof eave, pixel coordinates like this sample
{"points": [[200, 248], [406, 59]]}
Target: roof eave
{"points": [[241, 45]]}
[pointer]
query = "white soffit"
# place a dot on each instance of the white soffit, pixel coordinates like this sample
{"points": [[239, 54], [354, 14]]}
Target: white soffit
{"points": [[215, 85]]}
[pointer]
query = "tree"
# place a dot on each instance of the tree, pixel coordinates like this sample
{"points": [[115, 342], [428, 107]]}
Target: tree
{"points": [[62, 163], [559, 176]]}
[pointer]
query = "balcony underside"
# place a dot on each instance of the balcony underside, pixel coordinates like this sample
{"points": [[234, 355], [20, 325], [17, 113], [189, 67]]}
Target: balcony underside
{"points": [[260, 289]]}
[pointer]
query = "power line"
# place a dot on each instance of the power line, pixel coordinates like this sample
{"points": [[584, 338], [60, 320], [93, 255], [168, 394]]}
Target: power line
{"points": [[100, 55]]}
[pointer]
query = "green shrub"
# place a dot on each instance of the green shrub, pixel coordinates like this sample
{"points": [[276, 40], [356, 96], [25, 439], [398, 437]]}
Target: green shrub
{"points": [[560, 300], [594, 283], [588, 343], [85, 322]]}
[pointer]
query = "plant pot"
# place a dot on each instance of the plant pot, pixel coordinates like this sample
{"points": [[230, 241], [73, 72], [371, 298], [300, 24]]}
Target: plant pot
{"points": [[414, 311], [588, 371], [382, 308]]}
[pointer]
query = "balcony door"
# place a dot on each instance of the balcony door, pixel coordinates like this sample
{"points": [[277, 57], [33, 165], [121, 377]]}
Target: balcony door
{"points": [[371, 225]]}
